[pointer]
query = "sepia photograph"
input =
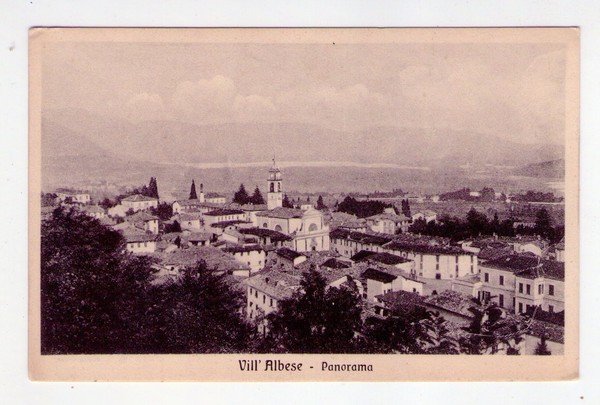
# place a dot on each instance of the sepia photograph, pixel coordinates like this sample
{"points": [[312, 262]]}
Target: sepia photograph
{"points": [[304, 204]]}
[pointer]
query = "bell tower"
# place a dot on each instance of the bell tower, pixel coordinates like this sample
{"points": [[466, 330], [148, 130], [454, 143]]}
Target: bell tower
{"points": [[274, 190]]}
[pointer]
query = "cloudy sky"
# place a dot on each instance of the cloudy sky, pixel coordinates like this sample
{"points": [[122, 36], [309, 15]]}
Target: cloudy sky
{"points": [[509, 90]]}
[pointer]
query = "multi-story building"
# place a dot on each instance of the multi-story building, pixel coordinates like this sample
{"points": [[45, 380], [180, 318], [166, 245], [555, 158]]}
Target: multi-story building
{"points": [[523, 282], [73, 196], [388, 223], [138, 202]]}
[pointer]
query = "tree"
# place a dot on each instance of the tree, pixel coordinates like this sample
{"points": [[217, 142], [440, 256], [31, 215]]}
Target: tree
{"points": [[164, 211], [199, 313], [542, 348], [477, 223], [193, 195], [362, 209], [48, 199], [87, 284], [174, 227], [241, 196], [406, 208], [491, 331], [257, 197], [107, 203], [286, 203], [320, 204], [152, 188], [317, 319], [543, 224]]}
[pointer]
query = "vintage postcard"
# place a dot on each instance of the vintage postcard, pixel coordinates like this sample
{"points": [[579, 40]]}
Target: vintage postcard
{"points": [[304, 204]]}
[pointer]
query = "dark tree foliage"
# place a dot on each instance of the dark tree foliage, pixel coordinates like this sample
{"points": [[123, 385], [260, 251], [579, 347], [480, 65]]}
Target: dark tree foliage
{"points": [[543, 223], [200, 313], [153, 188], [542, 348], [315, 320], [174, 227], [107, 203], [164, 211], [362, 209], [95, 298], [406, 208], [241, 196], [409, 329], [48, 199], [286, 203], [86, 282], [320, 204], [257, 197], [490, 331], [193, 195], [150, 190]]}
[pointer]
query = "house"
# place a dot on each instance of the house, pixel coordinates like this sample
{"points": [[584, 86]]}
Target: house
{"points": [[440, 262], [72, 196], [222, 215], [264, 293], [559, 251], [520, 283], [425, 215], [198, 239], [139, 242], [388, 223], [216, 260], [94, 211], [396, 303], [267, 237], [144, 221], [285, 257], [469, 284], [347, 243], [220, 228], [189, 221], [254, 256], [214, 198], [118, 211], [138, 202], [381, 281], [195, 206]]}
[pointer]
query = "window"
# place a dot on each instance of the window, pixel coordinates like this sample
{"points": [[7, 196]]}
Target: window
{"points": [[256, 293], [264, 298], [501, 280], [486, 277], [551, 308], [521, 288], [520, 307], [550, 289], [271, 302], [501, 300], [528, 289], [438, 276], [437, 262], [540, 288]]}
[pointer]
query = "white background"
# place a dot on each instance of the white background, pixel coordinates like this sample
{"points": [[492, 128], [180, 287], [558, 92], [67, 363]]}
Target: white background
{"points": [[17, 16]]}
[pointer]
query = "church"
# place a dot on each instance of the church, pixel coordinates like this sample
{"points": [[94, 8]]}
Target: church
{"points": [[304, 225]]}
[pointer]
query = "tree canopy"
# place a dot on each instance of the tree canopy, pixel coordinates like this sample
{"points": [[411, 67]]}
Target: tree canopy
{"points": [[241, 196], [193, 195]]}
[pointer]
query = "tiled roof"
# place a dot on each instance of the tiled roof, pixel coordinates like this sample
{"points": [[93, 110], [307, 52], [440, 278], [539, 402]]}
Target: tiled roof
{"points": [[223, 211], [427, 249], [378, 275], [215, 258], [452, 301], [280, 212], [198, 237], [243, 249], [361, 237], [389, 217], [264, 232], [383, 257], [213, 195], [140, 216], [529, 266], [333, 263], [138, 197], [189, 216], [276, 284], [393, 299], [225, 224], [288, 253], [132, 236], [92, 209]]}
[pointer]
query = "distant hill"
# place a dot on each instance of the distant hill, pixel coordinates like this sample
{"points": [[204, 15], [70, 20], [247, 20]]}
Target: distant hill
{"points": [[170, 141], [548, 169]]}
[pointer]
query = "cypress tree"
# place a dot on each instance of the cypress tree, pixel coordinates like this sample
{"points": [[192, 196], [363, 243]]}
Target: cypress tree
{"points": [[193, 195]]}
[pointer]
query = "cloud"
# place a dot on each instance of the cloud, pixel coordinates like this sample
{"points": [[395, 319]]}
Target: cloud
{"points": [[145, 107], [204, 100]]}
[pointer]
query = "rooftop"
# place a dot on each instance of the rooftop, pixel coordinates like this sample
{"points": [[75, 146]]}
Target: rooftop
{"points": [[383, 257], [378, 275], [280, 212], [243, 249], [138, 198], [287, 253], [279, 285], [215, 258], [223, 211], [264, 232], [452, 301], [225, 224]]}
